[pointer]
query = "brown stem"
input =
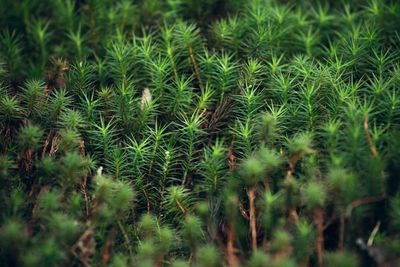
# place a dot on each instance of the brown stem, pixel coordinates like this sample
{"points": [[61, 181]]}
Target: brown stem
{"points": [[362, 201], [251, 194], [292, 164], [231, 158], [85, 195], [319, 223], [374, 152], [230, 246], [195, 66], [180, 206], [329, 222], [82, 151], [147, 200], [107, 249], [292, 213], [372, 147]]}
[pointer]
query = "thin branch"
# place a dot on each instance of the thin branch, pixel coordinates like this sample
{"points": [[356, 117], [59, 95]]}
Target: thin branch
{"points": [[126, 238], [372, 147], [373, 234], [195, 67], [253, 227], [362, 201]]}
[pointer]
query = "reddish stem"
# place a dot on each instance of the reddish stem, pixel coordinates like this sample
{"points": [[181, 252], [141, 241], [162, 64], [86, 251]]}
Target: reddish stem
{"points": [[253, 228]]}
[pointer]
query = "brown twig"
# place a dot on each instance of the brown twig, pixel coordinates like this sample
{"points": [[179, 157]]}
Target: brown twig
{"points": [[362, 201], [195, 66], [243, 212], [329, 222], [82, 151], [374, 151], [230, 247], [106, 252], [84, 247], [292, 213], [292, 164], [253, 228], [372, 147], [373, 234], [231, 158]]}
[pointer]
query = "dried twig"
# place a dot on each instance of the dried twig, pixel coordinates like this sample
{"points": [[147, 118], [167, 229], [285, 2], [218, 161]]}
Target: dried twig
{"points": [[369, 138], [253, 228], [362, 201], [230, 247], [195, 67], [373, 234]]}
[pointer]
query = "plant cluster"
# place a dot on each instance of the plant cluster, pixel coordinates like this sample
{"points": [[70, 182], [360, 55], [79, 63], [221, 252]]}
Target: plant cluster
{"points": [[199, 133]]}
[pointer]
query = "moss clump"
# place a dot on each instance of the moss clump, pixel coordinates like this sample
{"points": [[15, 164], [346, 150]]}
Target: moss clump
{"points": [[199, 133]]}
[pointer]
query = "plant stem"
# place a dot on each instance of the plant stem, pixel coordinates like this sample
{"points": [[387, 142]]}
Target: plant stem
{"points": [[319, 223], [230, 246], [253, 229], [126, 238]]}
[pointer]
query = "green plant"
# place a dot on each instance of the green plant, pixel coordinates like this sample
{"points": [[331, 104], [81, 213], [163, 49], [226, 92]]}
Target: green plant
{"points": [[199, 133]]}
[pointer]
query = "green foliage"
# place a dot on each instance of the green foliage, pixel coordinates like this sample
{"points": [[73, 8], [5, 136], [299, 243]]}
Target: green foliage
{"points": [[199, 133]]}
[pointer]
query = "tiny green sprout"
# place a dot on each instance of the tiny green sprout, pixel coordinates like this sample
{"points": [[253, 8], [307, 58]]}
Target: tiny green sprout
{"points": [[282, 240], [10, 109], [30, 137], [123, 198], [146, 252], [74, 167], [269, 159], [314, 195], [71, 119], [208, 256], [63, 227], [258, 259], [267, 128], [166, 239], [192, 230], [47, 169], [231, 203], [202, 209], [69, 140], [301, 145], [12, 233], [102, 188], [147, 226], [50, 202], [303, 236], [33, 97], [341, 178], [252, 171], [6, 165], [270, 204]]}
